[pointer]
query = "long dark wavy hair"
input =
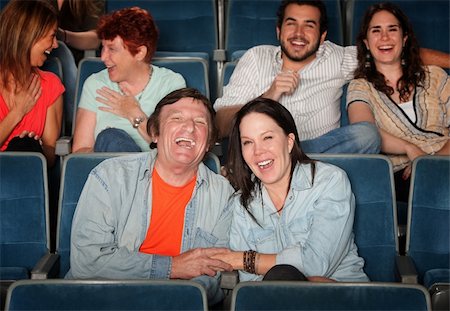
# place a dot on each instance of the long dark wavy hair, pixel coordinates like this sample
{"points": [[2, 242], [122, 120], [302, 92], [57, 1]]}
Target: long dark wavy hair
{"points": [[413, 70], [238, 172]]}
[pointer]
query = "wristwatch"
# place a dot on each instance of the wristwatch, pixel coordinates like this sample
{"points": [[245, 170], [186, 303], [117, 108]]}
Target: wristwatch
{"points": [[137, 121]]}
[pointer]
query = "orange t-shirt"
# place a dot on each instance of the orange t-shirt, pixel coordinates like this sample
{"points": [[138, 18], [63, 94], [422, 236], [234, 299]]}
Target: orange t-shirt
{"points": [[167, 219]]}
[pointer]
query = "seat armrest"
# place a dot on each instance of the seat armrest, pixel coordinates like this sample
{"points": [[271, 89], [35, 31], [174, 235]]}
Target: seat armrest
{"points": [[229, 279], [406, 269], [46, 268], [63, 146]]}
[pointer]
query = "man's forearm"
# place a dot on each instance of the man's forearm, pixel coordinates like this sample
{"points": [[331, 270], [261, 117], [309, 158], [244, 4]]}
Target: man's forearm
{"points": [[434, 57], [224, 117]]}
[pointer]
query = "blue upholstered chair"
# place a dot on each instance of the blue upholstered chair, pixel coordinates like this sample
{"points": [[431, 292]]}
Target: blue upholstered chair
{"points": [[106, 295], [53, 64], [68, 78], [375, 225], [278, 295], [24, 227], [428, 238], [253, 22], [24, 216]]}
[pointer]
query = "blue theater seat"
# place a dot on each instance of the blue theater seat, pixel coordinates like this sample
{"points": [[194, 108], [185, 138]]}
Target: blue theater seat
{"points": [[24, 210], [428, 238], [375, 225], [279, 295], [24, 216], [106, 295]]}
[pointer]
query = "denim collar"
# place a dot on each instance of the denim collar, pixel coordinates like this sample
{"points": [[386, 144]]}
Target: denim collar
{"points": [[150, 157]]}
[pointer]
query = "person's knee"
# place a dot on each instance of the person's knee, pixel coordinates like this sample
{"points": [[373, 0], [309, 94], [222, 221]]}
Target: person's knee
{"points": [[115, 140], [369, 138]]}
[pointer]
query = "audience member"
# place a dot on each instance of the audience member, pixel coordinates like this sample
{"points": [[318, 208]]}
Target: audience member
{"points": [[289, 209], [161, 214], [115, 103], [408, 102], [305, 74], [30, 99], [77, 23]]}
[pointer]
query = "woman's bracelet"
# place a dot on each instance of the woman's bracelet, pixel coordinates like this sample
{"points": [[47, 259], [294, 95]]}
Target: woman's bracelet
{"points": [[249, 259]]}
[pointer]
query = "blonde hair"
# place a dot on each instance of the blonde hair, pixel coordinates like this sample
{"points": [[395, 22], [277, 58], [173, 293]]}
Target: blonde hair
{"points": [[23, 23]]}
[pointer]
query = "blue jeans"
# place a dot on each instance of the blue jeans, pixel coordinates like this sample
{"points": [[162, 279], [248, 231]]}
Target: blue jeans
{"points": [[362, 137], [115, 140]]}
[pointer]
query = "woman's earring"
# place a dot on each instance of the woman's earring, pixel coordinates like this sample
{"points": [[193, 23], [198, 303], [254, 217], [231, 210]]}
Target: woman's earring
{"points": [[367, 63], [403, 61]]}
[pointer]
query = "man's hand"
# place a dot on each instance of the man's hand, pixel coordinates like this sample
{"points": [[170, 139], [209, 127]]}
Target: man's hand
{"points": [[286, 82], [198, 261]]}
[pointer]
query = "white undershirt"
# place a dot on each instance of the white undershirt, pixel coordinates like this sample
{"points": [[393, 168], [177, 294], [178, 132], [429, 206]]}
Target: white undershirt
{"points": [[408, 109]]}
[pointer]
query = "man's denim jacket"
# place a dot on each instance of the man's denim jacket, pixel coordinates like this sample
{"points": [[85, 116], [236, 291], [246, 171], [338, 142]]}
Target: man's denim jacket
{"points": [[112, 218]]}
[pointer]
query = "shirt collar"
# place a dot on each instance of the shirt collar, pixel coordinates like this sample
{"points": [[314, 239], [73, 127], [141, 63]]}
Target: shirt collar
{"points": [[302, 177]]}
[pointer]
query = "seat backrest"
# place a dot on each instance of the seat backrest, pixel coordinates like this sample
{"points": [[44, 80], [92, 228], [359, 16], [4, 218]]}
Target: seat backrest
{"points": [[68, 78], [75, 171], [53, 64], [228, 69], [193, 69], [430, 19], [375, 225], [24, 212], [184, 25], [106, 295], [253, 22], [278, 295], [428, 241]]}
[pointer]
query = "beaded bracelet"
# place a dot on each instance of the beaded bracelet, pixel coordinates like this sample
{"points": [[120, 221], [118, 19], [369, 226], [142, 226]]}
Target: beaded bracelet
{"points": [[249, 261]]}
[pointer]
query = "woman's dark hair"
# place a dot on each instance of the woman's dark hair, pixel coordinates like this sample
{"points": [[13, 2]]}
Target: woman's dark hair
{"points": [[153, 123], [413, 71], [315, 3], [238, 172]]}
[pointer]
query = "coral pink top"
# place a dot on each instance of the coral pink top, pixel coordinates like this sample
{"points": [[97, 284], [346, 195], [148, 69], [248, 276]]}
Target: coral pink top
{"points": [[34, 120]]}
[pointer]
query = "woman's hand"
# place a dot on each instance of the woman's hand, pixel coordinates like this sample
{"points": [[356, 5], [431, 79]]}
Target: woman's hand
{"points": [[412, 151], [31, 135], [124, 106], [23, 100]]}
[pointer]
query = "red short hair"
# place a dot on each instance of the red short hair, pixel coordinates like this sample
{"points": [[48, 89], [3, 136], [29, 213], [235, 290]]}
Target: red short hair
{"points": [[134, 25]]}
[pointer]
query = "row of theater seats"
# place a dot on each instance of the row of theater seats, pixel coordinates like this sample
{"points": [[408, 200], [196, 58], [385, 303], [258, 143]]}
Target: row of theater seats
{"points": [[25, 236], [188, 295]]}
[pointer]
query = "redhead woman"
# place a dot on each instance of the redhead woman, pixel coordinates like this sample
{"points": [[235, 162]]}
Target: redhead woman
{"points": [[116, 102]]}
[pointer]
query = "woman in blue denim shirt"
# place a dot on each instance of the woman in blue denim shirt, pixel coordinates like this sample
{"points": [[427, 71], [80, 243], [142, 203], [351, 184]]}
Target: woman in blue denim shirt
{"points": [[289, 209]]}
